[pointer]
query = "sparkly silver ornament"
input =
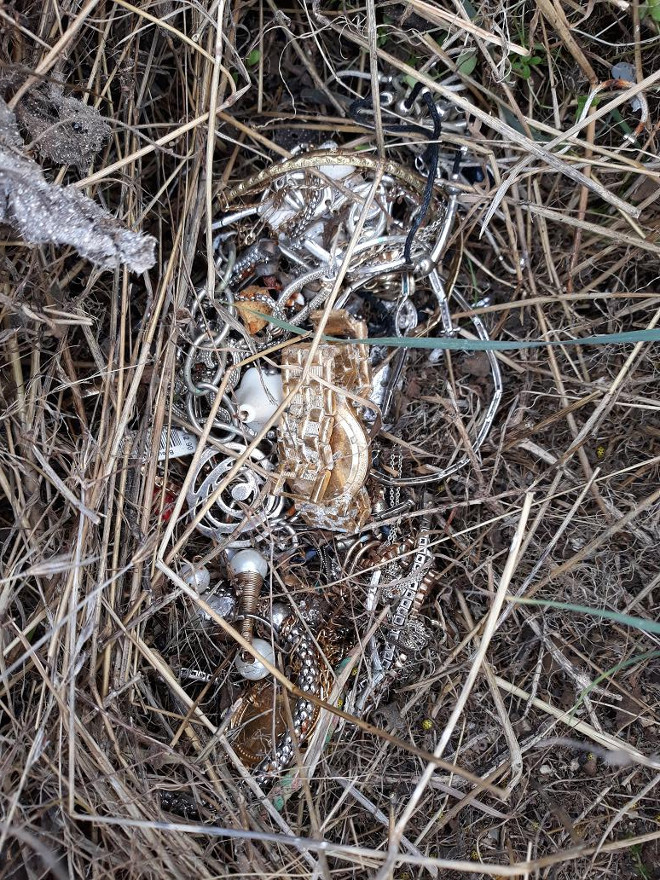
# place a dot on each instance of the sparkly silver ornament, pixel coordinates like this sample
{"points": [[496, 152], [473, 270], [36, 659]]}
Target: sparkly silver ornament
{"points": [[224, 603]]}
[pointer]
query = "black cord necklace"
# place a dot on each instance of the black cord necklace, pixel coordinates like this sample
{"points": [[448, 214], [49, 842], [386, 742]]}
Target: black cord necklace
{"points": [[430, 155]]}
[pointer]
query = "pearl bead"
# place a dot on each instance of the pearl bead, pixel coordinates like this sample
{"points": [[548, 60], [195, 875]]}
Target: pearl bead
{"points": [[196, 576], [249, 560], [250, 668]]}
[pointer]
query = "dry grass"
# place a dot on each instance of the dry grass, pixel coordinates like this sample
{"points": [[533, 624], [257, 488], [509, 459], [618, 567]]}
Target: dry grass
{"points": [[563, 503]]}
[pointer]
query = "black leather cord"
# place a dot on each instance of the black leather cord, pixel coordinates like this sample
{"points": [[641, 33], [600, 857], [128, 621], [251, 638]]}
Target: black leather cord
{"points": [[429, 156]]}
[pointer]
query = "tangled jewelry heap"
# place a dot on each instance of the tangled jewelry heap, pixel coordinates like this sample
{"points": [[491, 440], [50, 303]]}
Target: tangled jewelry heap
{"points": [[304, 481]]}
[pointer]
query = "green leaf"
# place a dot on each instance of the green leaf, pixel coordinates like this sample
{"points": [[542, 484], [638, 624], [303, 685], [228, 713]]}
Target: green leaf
{"points": [[253, 58], [522, 70], [620, 121], [466, 63], [581, 101]]}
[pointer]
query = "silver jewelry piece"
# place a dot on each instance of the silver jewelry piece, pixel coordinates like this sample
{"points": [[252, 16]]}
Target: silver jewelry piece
{"points": [[243, 506]]}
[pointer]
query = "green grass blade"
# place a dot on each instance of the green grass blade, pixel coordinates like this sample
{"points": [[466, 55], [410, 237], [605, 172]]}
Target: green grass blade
{"points": [[456, 344], [649, 626], [631, 661]]}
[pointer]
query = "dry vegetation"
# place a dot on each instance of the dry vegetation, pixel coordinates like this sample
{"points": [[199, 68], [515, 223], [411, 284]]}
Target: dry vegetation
{"points": [[553, 710]]}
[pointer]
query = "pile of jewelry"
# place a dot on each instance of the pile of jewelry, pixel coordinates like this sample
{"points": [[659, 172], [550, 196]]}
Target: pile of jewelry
{"points": [[305, 490]]}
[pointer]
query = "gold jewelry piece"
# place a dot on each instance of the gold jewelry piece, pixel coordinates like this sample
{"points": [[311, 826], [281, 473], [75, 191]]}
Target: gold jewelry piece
{"points": [[323, 445], [319, 159], [256, 725]]}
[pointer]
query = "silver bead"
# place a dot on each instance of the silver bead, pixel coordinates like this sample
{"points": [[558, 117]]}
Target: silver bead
{"points": [[278, 614], [424, 266], [249, 667]]}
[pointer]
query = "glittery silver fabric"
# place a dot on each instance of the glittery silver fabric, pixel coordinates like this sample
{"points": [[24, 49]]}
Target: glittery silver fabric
{"points": [[44, 213], [64, 129]]}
